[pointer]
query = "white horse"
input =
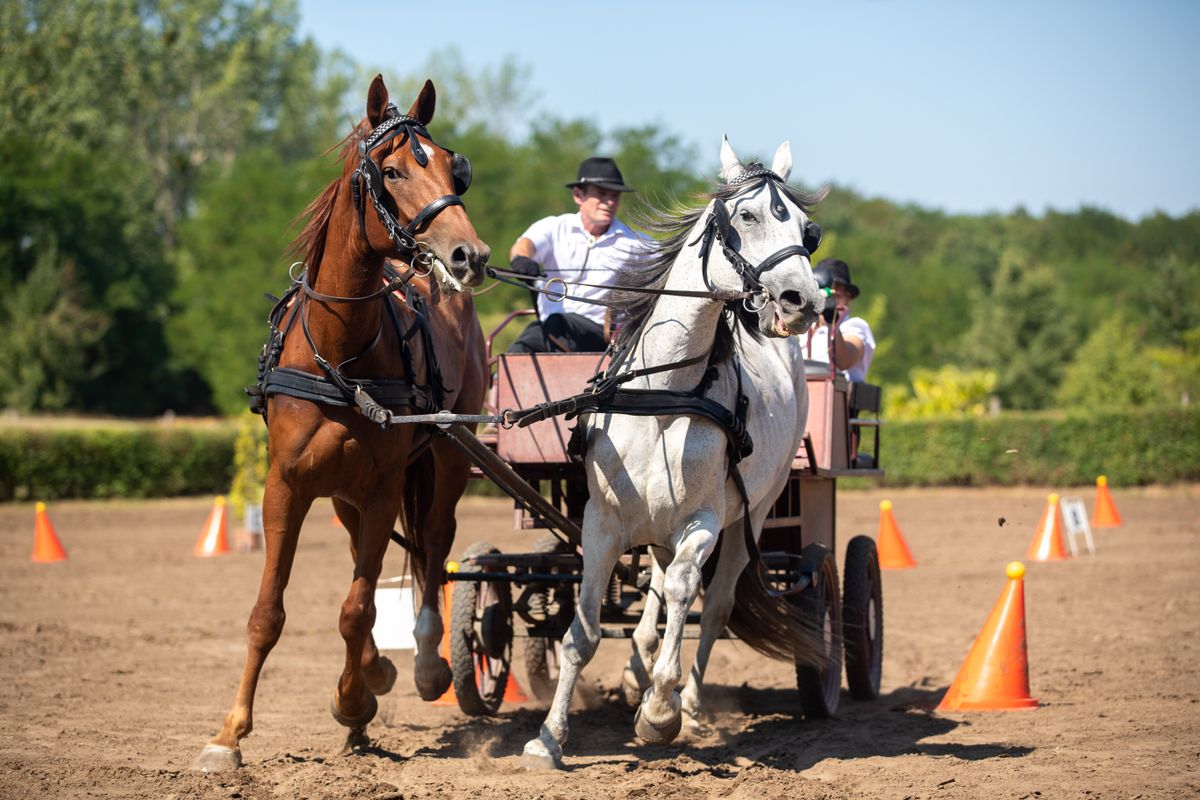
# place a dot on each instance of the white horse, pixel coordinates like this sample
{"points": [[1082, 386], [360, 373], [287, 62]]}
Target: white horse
{"points": [[665, 480]]}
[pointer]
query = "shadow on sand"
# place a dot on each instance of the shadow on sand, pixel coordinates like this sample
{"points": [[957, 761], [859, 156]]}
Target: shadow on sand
{"points": [[745, 726]]}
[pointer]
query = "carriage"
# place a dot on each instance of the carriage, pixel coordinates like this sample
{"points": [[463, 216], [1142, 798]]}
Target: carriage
{"points": [[508, 603], [356, 339]]}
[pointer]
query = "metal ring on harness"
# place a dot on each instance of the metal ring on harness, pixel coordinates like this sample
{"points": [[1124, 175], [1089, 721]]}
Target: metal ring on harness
{"points": [[292, 270], [549, 295], [423, 255], [766, 298]]}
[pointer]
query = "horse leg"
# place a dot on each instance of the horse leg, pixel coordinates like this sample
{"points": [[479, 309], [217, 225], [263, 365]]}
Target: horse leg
{"points": [[718, 604], [354, 705], [283, 513], [378, 670], [600, 553], [431, 671], [635, 679], [659, 717]]}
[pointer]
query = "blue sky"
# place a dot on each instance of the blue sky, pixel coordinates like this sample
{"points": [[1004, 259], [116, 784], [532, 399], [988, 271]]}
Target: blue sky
{"points": [[962, 106]]}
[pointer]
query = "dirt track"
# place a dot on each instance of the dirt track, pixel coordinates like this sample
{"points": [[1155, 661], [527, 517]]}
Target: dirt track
{"points": [[121, 662]]}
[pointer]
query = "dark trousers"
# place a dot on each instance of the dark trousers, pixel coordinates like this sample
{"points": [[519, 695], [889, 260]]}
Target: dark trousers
{"points": [[572, 333]]}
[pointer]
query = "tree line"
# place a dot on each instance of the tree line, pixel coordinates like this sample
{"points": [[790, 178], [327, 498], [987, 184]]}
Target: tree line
{"points": [[154, 155]]}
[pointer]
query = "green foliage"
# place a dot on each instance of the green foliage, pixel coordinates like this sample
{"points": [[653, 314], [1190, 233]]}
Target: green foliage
{"points": [[98, 463], [1131, 447], [250, 463], [1016, 333], [939, 393]]}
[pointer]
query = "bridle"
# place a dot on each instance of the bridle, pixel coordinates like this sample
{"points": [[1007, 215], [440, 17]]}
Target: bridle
{"points": [[366, 182], [719, 228]]}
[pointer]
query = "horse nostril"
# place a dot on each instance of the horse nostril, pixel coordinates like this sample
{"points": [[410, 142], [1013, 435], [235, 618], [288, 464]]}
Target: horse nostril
{"points": [[463, 254], [792, 302]]}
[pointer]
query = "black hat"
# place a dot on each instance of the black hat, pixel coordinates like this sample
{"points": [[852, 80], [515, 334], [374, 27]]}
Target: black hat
{"points": [[834, 270], [600, 172]]}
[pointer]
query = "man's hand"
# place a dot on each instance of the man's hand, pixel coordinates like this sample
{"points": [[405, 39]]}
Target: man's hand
{"points": [[525, 266]]}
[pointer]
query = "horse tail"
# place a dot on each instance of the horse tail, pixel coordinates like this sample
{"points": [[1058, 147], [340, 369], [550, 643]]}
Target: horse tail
{"points": [[418, 486], [770, 623]]}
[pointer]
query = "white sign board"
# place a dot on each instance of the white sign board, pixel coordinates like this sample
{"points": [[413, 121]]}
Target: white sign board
{"points": [[1075, 519], [394, 618]]}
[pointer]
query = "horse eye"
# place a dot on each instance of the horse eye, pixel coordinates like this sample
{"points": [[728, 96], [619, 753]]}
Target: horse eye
{"points": [[748, 217], [391, 173]]}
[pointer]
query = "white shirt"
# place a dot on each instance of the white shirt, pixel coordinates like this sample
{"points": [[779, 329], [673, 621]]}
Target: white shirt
{"points": [[816, 348], [566, 250]]}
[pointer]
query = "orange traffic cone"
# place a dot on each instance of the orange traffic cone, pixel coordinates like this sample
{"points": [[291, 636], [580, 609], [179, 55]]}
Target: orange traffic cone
{"points": [[513, 693], [1047, 544], [448, 698], [46, 547], [893, 551], [995, 675], [214, 538], [1105, 514]]}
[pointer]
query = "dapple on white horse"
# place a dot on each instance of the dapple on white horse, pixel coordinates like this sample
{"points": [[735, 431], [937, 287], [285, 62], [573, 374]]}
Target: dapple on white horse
{"points": [[661, 467]]}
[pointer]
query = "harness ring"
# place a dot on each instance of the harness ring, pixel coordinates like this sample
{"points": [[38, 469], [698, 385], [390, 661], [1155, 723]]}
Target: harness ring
{"points": [[550, 295]]}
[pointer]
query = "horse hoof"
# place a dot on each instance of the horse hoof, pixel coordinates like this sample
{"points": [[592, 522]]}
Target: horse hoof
{"points": [[385, 672], [355, 722], [537, 757], [218, 758], [659, 728], [356, 742], [433, 683]]}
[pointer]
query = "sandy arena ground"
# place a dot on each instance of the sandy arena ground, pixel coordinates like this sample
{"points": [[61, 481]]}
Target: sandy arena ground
{"points": [[120, 663]]}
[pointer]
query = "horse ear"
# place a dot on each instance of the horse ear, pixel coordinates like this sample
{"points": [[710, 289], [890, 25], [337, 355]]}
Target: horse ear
{"points": [[422, 107], [782, 165], [730, 165], [377, 101]]}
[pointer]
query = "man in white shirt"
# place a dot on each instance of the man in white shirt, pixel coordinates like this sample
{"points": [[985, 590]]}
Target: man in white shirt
{"points": [[853, 342], [590, 246]]}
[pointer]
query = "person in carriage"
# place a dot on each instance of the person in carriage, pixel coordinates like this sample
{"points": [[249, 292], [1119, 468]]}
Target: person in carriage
{"points": [[591, 246], [853, 345]]}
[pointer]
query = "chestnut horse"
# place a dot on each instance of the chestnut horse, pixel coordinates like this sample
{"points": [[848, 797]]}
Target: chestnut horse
{"points": [[356, 353]]}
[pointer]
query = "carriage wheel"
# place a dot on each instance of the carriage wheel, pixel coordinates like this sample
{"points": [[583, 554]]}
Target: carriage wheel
{"points": [[821, 687], [480, 640], [541, 655], [862, 624]]}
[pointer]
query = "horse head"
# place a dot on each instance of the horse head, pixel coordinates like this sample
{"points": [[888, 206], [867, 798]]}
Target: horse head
{"points": [[415, 187], [767, 238]]}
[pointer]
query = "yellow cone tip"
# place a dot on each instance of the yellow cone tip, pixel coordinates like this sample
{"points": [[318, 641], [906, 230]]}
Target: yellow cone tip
{"points": [[1015, 570], [1053, 498], [220, 501], [1102, 480], [451, 566], [40, 506], [886, 505]]}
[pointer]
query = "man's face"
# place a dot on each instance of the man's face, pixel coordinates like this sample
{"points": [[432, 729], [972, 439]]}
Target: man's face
{"points": [[841, 293], [597, 207]]}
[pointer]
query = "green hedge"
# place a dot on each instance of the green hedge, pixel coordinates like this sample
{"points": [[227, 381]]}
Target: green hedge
{"points": [[1131, 448], [121, 462]]}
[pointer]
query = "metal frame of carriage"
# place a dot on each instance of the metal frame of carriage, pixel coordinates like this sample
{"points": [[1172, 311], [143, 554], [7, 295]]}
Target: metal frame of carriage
{"points": [[493, 590]]}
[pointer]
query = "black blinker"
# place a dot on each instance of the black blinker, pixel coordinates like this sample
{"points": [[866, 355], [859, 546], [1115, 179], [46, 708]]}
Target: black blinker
{"points": [[812, 236], [460, 171]]}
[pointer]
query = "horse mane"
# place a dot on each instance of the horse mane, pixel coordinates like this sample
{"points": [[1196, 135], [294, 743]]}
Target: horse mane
{"points": [[672, 225], [309, 245]]}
